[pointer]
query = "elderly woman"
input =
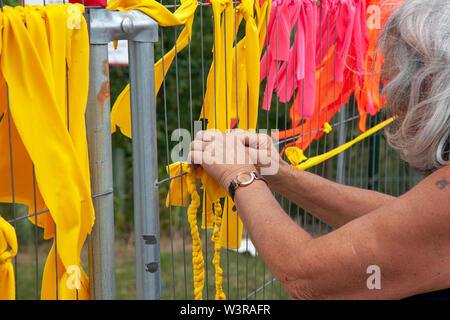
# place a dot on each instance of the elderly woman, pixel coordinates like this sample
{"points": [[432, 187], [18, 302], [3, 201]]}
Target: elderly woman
{"points": [[403, 241]]}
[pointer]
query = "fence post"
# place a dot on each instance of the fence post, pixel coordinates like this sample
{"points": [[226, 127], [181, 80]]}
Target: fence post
{"points": [[141, 32], [145, 169], [101, 248]]}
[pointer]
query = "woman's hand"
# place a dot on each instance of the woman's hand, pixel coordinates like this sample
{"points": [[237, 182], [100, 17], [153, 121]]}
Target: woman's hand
{"points": [[265, 155], [222, 155], [225, 155]]}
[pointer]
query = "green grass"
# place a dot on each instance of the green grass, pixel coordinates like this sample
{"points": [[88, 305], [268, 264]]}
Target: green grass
{"points": [[242, 273]]}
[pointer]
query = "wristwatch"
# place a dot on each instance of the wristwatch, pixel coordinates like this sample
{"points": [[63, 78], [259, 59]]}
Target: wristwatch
{"points": [[243, 179]]}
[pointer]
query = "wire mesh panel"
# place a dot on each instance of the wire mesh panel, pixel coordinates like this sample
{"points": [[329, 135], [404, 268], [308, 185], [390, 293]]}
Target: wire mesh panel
{"points": [[53, 277], [370, 164]]}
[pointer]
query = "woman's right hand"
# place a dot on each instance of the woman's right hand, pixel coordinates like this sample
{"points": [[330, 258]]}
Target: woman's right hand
{"points": [[264, 154]]}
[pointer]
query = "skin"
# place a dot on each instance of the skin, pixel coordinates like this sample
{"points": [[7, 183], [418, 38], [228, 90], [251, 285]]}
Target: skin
{"points": [[407, 237]]}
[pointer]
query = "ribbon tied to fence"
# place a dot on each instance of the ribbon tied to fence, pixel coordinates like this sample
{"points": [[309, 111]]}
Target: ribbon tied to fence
{"points": [[183, 185]]}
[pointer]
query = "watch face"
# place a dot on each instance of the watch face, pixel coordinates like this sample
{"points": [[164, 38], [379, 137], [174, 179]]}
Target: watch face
{"points": [[244, 177]]}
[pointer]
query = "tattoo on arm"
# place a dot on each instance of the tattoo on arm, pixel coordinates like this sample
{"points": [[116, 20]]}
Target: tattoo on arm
{"points": [[441, 184]]}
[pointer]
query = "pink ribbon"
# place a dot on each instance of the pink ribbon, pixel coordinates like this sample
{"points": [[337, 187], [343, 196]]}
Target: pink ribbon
{"points": [[288, 68]]}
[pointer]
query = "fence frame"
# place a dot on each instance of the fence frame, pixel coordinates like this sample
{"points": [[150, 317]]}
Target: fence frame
{"points": [[141, 32]]}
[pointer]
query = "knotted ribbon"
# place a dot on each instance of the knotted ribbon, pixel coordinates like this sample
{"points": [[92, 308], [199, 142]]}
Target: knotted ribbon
{"points": [[181, 187]]}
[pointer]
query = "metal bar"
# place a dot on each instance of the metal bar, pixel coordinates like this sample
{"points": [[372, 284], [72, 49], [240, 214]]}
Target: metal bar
{"points": [[105, 26], [374, 157], [36, 238], [46, 210], [13, 196], [98, 125], [226, 128], [167, 163], [145, 169], [199, 3], [340, 174], [260, 288], [203, 128]]}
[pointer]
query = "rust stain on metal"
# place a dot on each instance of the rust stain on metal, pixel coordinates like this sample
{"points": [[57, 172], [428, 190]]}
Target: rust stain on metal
{"points": [[103, 94], [104, 91], [105, 68]]}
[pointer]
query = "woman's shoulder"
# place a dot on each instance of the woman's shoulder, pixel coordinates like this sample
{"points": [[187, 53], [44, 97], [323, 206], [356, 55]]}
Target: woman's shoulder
{"points": [[440, 179], [430, 197], [433, 192]]}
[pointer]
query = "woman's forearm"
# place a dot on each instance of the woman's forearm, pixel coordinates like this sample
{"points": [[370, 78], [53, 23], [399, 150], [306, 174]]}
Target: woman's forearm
{"points": [[275, 235], [331, 202]]}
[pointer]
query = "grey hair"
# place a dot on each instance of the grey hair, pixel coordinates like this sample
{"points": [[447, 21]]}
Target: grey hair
{"points": [[415, 42]]}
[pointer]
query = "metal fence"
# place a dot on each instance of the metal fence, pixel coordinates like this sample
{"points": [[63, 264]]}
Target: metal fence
{"points": [[105, 26], [370, 164], [163, 259]]}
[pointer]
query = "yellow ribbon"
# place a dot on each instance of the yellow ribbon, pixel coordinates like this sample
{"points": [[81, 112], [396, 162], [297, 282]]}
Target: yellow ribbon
{"points": [[299, 161], [181, 187], [207, 212], [220, 295], [232, 226], [327, 128], [232, 88], [8, 238], [197, 256], [184, 15], [48, 131], [219, 82]]}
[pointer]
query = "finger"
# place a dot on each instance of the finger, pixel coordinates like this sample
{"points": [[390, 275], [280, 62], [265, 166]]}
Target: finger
{"points": [[201, 158], [195, 157], [260, 141], [253, 155], [199, 135], [207, 135], [198, 145], [259, 157], [210, 149], [193, 166], [245, 137], [237, 131], [249, 139]]}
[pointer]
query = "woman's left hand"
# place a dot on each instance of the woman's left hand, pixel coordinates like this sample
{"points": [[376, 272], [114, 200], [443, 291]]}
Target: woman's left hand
{"points": [[222, 155]]}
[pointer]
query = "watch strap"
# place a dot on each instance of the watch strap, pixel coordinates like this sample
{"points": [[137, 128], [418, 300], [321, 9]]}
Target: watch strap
{"points": [[234, 185], [258, 176], [232, 189]]}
